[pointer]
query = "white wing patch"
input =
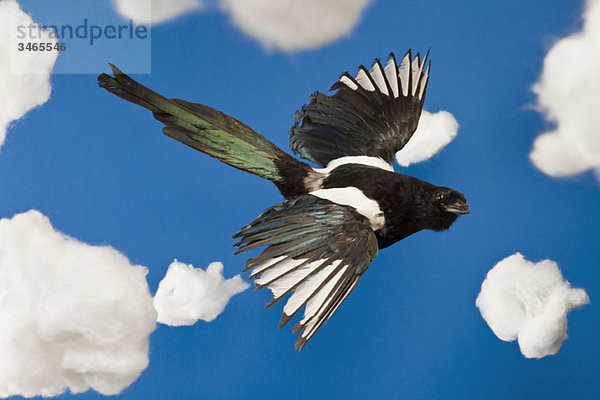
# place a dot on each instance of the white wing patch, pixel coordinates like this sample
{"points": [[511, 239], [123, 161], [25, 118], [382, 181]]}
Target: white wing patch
{"points": [[362, 160], [261, 267], [314, 287], [279, 278], [316, 310], [355, 198], [363, 79], [278, 270], [311, 286], [379, 78], [424, 81], [404, 73], [410, 77], [348, 82], [416, 70], [318, 302], [391, 73]]}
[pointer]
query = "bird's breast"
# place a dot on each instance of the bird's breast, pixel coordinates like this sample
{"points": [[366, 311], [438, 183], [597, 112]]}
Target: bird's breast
{"points": [[355, 182]]}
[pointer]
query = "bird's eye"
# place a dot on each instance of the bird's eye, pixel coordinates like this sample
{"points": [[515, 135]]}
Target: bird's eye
{"points": [[440, 196]]}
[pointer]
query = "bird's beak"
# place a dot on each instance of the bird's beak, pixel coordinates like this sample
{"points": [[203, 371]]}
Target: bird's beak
{"points": [[460, 207]]}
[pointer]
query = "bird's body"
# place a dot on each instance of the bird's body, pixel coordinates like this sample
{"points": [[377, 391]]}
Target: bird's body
{"points": [[391, 201], [335, 218], [399, 197]]}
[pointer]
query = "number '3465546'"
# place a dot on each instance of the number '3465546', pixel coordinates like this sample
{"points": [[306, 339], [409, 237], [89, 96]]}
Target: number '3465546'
{"points": [[29, 46]]}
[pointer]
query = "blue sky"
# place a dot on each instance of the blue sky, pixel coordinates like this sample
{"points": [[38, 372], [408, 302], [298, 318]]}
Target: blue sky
{"points": [[101, 170]]}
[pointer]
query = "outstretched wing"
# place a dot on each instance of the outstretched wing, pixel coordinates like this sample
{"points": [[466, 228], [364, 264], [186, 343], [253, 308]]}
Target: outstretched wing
{"points": [[374, 113], [316, 249]]}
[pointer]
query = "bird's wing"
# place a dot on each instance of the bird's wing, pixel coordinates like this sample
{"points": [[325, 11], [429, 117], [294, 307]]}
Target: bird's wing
{"points": [[374, 113], [316, 249]]}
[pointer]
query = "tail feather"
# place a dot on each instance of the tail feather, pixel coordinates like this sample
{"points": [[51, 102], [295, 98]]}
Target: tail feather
{"points": [[209, 131]]}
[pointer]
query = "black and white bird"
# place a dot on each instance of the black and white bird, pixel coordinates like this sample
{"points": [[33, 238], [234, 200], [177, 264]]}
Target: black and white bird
{"points": [[322, 238]]}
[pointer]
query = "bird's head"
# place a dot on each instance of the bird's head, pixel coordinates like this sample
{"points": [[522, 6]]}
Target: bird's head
{"points": [[449, 204], [451, 201]]}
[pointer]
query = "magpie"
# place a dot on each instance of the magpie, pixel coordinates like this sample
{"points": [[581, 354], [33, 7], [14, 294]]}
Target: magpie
{"points": [[321, 239]]}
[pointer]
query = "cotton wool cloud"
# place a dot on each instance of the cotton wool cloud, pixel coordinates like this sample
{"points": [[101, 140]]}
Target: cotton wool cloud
{"points": [[292, 25], [434, 132], [287, 25], [528, 302], [568, 94], [155, 11], [187, 294], [73, 316], [24, 76]]}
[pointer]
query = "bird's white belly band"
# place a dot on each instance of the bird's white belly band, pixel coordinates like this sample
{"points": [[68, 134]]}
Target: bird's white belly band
{"points": [[353, 197]]}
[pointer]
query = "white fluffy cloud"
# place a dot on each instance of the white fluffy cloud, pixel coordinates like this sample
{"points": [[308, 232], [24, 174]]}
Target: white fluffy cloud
{"points": [[187, 294], [569, 96], [292, 25], [434, 132], [24, 76], [72, 315], [528, 302], [288, 25], [155, 11]]}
